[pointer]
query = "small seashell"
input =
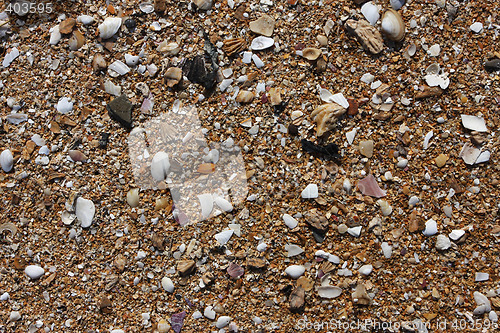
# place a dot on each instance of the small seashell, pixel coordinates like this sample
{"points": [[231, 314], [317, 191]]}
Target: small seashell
{"points": [[326, 117], [235, 270], [66, 26], [146, 7], [131, 60], [370, 12], [16, 118], [98, 62], [206, 168], [167, 284], [430, 228], [223, 204], [77, 156], [109, 27], [261, 43], [329, 291], [393, 26], [160, 166], [6, 160], [469, 153], [311, 53], [203, 4], [293, 250], [85, 211], [10, 227], [222, 321], [207, 204], [76, 41], [67, 217], [369, 186], [233, 46], [163, 326], [295, 271], [223, 236], [168, 48], [133, 197]]}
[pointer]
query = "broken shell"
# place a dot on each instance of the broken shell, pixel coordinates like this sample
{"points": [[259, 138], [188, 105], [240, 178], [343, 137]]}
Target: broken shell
{"points": [[169, 48], [133, 197], [76, 41], [160, 166], [245, 96], [261, 43], [311, 53], [77, 156], [233, 46], [370, 12], [263, 26], [6, 160], [109, 27], [329, 291], [10, 227], [67, 217], [393, 26], [326, 116], [173, 75], [146, 7], [98, 62]]}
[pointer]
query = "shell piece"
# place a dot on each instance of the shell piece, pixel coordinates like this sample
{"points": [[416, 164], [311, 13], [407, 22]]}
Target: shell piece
{"points": [[207, 204], [290, 222], [133, 197], [160, 166], [67, 217], [233, 46], [469, 153], [76, 41], [329, 291], [85, 210], [261, 43], [326, 116], [311, 53], [109, 27], [245, 96], [264, 25], [6, 160], [397, 4], [223, 236], [474, 123], [369, 186], [55, 35], [223, 204], [367, 35], [370, 12], [168, 48], [77, 156], [393, 26], [295, 271]]}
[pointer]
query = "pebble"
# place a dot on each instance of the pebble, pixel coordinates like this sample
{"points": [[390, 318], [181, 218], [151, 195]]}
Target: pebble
{"points": [[5, 296], [6, 160], [310, 192], [65, 105], [441, 160], [163, 326], [293, 250], [85, 19], [442, 242], [402, 163], [85, 210], [131, 60], [186, 267], [370, 12], [360, 296], [290, 222], [413, 201], [342, 228], [223, 321], [365, 269], [247, 57], [430, 228], [295, 271], [456, 234], [34, 271], [223, 236], [120, 109], [434, 50], [476, 27], [245, 96], [367, 78], [366, 148], [167, 284], [257, 61], [355, 231], [322, 39], [55, 36], [483, 303]]}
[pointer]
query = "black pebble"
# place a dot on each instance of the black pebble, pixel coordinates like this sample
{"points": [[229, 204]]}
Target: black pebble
{"points": [[103, 141], [130, 24], [293, 129]]}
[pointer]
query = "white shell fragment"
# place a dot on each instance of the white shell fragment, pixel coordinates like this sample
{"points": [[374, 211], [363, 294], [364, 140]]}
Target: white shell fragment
{"points": [[55, 35], [310, 192], [223, 204], [393, 26], [207, 204], [34, 271], [472, 155], [328, 97], [293, 250], [109, 27], [167, 284], [290, 222], [434, 50], [456, 234], [430, 228], [10, 57], [476, 27], [133, 197], [85, 19], [6, 160], [85, 210], [366, 269], [112, 89], [370, 12], [483, 303], [67, 218], [427, 138], [397, 4], [223, 236], [329, 291], [119, 67], [295, 271], [442, 242], [261, 43], [223, 321], [474, 123], [386, 250], [131, 60], [64, 105], [160, 166], [480, 277]]}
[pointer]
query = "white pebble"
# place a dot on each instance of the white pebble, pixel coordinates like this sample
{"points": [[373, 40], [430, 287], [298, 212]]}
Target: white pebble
{"points": [[34, 271], [482, 277], [386, 250], [442, 242], [476, 27], [365, 269], [167, 284], [14, 316], [310, 192], [290, 222], [223, 321], [295, 271], [247, 57], [5, 296], [402, 163], [355, 231], [209, 312], [430, 228]]}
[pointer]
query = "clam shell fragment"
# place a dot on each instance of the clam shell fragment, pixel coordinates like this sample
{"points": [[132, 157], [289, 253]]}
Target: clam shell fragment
{"points": [[393, 26], [261, 43]]}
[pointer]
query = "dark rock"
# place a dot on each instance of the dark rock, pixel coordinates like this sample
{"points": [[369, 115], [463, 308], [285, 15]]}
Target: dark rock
{"points": [[293, 129], [331, 150], [103, 141], [492, 65], [186, 267], [120, 109], [131, 24]]}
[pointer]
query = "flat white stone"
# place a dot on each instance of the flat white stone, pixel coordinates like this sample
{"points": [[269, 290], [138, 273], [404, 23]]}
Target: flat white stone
{"points": [[85, 19], [430, 228], [6, 160], [482, 277], [370, 12], [247, 57], [293, 250], [55, 35], [329, 291], [295, 271], [257, 61], [34, 271], [222, 321], [367, 78], [474, 123], [290, 222], [65, 105], [310, 192]]}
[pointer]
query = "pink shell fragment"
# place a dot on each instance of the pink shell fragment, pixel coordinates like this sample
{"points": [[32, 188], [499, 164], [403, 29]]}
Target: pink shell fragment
{"points": [[369, 186], [235, 270]]}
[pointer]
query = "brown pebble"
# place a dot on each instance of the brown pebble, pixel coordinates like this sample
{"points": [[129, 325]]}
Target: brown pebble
{"points": [[186, 267], [297, 299]]}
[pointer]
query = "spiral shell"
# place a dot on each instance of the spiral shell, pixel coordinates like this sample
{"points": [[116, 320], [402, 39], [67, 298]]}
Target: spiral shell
{"points": [[393, 26]]}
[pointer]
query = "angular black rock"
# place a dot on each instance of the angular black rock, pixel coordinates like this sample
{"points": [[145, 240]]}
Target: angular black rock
{"points": [[331, 150], [120, 109], [492, 65], [103, 140], [198, 70]]}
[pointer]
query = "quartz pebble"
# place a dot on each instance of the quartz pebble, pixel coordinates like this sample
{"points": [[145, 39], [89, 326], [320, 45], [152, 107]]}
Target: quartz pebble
{"points": [[430, 228], [476, 27], [6, 160], [14, 316], [480, 277], [209, 312], [290, 222], [366, 148]]}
